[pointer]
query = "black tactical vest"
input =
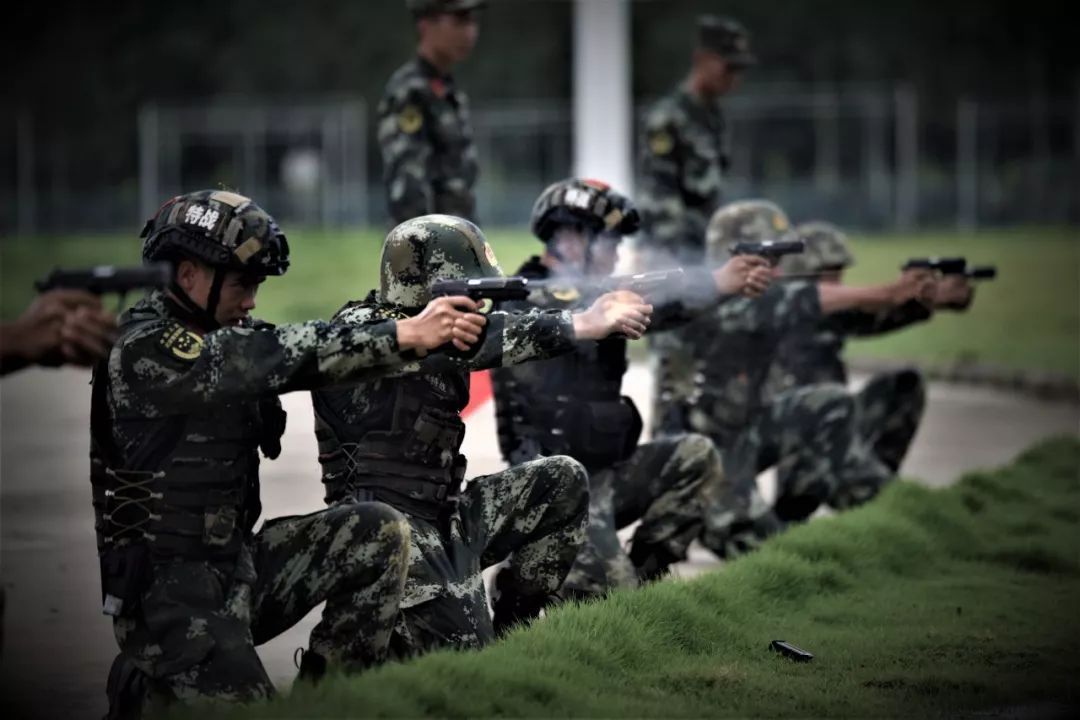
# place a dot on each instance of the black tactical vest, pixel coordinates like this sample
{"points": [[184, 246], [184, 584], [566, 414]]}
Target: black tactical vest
{"points": [[403, 449], [188, 489], [572, 405]]}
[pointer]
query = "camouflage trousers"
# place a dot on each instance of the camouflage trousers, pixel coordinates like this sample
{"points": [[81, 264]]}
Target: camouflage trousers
{"points": [[662, 484], [811, 435], [890, 408], [197, 625], [531, 515]]}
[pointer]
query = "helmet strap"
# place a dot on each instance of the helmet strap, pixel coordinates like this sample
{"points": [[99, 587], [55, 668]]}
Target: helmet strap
{"points": [[189, 310]]}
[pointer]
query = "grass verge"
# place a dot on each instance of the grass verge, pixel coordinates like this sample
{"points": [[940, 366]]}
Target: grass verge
{"points": [[926, 603], [1029, 318]]}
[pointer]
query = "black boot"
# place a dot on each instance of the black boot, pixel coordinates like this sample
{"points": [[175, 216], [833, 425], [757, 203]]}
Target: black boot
{"points": [[126, 689], [512, 606], [312, 666], [652, 562]]}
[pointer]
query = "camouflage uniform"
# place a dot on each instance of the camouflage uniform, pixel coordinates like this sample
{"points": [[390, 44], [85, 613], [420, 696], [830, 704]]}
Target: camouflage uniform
{"points": [[426, 136], [572, 405], [686, 151], [178, 417], [398, 439], [891, 403], [810, 432]]}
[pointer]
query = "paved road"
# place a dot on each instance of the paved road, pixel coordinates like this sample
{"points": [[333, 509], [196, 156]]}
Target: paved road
{"points": [[58, 646]]}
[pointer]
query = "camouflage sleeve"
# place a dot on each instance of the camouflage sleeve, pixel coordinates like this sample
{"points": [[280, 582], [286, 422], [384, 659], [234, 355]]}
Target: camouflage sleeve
{"points": [[660, 198], [165, 365], [509, 338], [405, 141], [859, 323]]}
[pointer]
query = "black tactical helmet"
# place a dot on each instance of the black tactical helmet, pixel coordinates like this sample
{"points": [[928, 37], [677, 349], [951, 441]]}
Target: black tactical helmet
{"points": [[424, 249], [221, 228], [587, 202]]}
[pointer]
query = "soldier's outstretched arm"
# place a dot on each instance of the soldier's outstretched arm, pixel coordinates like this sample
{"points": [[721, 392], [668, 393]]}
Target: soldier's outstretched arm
{"points": [[176, 368], [868, 324], [877, 298], [405, 141]]}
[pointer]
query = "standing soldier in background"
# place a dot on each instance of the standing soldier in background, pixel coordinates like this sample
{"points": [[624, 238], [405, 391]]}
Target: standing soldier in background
{"points": [[891, 403], [686, 149], [429, 159], [686, 152]]}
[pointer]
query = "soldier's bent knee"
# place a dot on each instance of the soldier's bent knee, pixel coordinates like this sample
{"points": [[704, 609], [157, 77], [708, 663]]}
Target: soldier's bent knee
{"points": [[835, 403], [695, 447], [570, 475], [378, 519]]}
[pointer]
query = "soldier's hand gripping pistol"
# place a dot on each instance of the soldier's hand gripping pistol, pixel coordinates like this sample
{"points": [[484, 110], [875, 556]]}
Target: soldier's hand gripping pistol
{"points": [[105, 279], [771, 250]]}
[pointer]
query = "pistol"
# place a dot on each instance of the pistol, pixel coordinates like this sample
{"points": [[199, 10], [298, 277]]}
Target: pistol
{"points": [[108, 278], [496, 289], [771, 250], [643, 283], [952, 266], [982, 272], [945, 266]]}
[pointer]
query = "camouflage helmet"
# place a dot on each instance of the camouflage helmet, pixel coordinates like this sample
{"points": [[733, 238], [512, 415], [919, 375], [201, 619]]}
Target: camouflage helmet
{"points": [[589, 202], [421, 8], [826, 249], [744, 221], [424, 249], [221, 228]]}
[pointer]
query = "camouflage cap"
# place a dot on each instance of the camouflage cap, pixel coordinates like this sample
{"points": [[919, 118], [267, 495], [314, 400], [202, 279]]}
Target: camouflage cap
{"points": [[826, 249], [589, 202], [726, 37], [420, 8], [744, 221], [424, 249], [221, 228]]}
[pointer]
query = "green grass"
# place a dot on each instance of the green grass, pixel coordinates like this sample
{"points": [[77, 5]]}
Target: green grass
{"points": [[925, 603], [1028, 318]]}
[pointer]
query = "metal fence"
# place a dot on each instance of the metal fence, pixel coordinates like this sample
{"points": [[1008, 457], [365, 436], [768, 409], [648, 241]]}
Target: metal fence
{"points": [[866, 156]]}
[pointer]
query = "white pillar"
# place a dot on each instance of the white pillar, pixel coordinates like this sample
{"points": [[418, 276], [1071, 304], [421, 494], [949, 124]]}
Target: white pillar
{"points": [[603, 108]]}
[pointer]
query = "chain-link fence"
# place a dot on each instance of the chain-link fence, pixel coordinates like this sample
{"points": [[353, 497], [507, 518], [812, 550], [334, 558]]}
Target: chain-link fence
{"points": [[864, 156]]}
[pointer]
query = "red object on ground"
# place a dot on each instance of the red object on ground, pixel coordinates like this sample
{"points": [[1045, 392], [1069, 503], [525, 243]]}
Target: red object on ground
{"points": [[479, 391]]}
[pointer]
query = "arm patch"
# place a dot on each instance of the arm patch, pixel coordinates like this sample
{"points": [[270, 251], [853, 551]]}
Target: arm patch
{"points": [[181, 343]]}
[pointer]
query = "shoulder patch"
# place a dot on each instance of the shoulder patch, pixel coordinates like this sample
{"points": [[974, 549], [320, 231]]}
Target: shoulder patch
{"points": [[181, 343], [661, 142], [410, 119]]}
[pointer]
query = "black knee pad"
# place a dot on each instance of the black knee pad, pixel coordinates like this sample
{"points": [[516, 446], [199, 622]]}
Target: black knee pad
{"points": [[795, 507]]}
